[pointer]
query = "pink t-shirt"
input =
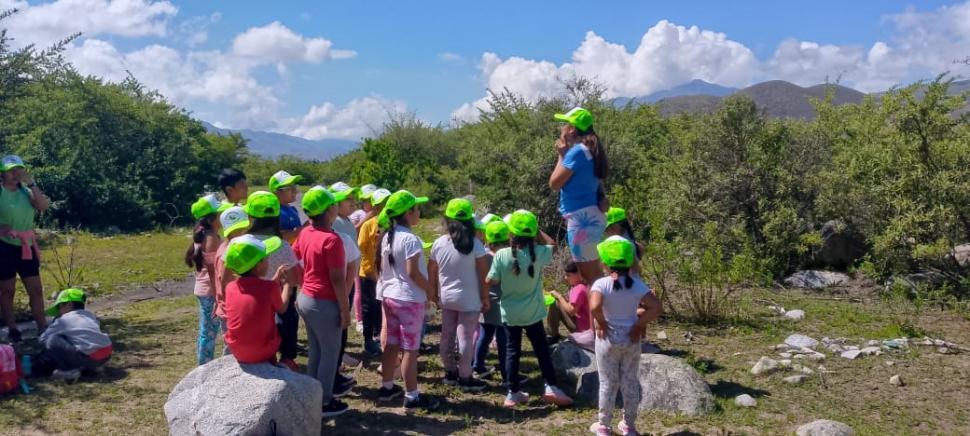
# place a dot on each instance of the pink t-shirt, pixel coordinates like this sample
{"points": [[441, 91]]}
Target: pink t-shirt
{"points": [[203, 286], [579, 298]]}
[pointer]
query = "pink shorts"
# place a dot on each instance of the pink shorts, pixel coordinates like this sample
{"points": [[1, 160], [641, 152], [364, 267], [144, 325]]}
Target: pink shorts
{"points": [[404, 321]]}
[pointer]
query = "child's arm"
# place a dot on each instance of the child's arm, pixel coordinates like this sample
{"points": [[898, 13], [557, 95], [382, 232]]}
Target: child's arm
{"points": [[338, 280], [652, 309], [596, 309], [545, 239], [481, 267], [433, 281], [285, 296], [413, 268], [352, 269], [564, 303]]}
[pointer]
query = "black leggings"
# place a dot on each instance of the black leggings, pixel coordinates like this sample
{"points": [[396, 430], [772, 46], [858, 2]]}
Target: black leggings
{"points": [[370, 308], [537, 337], [289, 328]]}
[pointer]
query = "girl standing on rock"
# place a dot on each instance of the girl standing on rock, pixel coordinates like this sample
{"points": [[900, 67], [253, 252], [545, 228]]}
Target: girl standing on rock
{"points": [[201, 255], [579, 174], [457, 270], [615, 302], [518, 269]]}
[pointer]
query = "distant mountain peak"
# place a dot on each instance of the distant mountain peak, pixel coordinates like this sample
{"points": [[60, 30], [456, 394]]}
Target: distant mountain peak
{"points": [[273, 145], [693, 87]]}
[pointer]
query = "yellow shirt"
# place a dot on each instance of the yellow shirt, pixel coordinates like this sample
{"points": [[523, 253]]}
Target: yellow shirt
{"points": [[367, 241]]}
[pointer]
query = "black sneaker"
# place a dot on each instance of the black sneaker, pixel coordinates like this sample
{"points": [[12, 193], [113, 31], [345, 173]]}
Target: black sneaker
{"points": [[336, 407], [422, 402], [385, 394], [471, 385], [451, 378], [341, 389], [345, 380], [14, 336], [372, 349]]}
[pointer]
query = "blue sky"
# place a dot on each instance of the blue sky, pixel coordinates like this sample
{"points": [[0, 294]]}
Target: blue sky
{"points": [[335, 69]]}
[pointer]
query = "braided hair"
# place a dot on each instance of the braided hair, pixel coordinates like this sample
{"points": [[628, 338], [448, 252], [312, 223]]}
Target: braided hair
{"points": [[522, 242], [622, 273], [396, 221]]}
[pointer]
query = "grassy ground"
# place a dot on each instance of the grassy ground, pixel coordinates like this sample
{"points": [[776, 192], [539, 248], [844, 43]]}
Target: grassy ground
{"points": [[155, 347]]}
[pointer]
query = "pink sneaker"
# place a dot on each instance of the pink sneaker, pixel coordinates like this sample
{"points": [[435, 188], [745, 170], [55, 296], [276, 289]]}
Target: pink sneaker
{"points": [[515, 398], [554, 395], [599, 429], [625, 429]]}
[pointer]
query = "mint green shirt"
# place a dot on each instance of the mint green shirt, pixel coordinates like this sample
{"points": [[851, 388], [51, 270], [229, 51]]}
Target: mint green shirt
{"points": [[522, 299], [16, 212]]}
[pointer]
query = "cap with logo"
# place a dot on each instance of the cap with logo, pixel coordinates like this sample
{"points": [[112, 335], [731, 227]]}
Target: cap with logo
{"points": [[317, 200], [342, 191], [246, 251], [366, 191], [71, 295], [10, 162], [283, 179], [262, 204], [378, 196], [208, 205], [232, 219]]}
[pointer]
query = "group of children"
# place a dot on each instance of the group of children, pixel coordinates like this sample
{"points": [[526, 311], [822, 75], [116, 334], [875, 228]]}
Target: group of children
{"points": [[257, 266]]}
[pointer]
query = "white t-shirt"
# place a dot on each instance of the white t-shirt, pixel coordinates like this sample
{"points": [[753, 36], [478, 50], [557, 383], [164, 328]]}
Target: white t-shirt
{"points": [[457, 276], [283, 256], [620, 306], [357, 216], [343, 225], [395, 282], [351, 252]]}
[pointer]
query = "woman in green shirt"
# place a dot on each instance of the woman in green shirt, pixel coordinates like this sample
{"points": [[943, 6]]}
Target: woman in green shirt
{"points": [[20, 201]]}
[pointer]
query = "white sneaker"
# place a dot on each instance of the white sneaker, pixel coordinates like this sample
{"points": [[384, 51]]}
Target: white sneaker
{"points": [[554, 395]]}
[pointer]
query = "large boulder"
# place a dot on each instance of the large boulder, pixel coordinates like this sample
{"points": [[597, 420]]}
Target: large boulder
{"points": [[666, 383], [225, 397], [816, 279], [841, 246], [824, 427]]}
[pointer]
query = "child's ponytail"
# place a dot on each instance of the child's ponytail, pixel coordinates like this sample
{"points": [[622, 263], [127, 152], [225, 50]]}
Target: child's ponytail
{"points": [[591, 140], [194, 255], [622, 273], [520, 242]]}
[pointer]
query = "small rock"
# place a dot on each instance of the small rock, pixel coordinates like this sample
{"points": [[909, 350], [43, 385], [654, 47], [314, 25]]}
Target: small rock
{"points": [[943, 350], [871, 351], [784, 355], [806, 350], [796, 379], [764, 366], [816, 279], [662, 335], [890, 363], [835, 348], [807, 371], [873, 343], [851, 354], [896, 380], [795, 315], [824, 427], [782, 347], [745, 400], [817, 357], [799, 340], [784, 363], [780, 310], [851, 347], [895, 343]]}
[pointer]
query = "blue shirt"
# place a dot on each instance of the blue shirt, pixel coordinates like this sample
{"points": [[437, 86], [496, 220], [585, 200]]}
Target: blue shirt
{"points": [[580, 190], [289, 218]]}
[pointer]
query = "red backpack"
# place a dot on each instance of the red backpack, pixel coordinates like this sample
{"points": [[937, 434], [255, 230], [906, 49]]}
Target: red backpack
{"points": [[10, 372]]}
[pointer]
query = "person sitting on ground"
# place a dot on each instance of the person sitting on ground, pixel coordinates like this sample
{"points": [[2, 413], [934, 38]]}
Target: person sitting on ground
{"points": [[73, 342], [252, 302], [571, 311]]}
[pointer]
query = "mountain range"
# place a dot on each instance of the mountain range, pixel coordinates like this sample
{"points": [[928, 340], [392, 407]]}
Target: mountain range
{"points": [[273, 145]]}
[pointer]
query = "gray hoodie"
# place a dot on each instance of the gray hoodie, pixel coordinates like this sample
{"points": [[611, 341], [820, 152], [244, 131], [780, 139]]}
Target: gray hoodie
{"points": [[81, 328]]}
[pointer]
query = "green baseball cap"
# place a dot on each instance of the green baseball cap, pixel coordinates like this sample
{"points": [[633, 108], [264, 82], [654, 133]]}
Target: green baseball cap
{"points": [[460, 209], [400, 202], [523, 223], [232, 219], [10, 162], [615, 215], [377, 197], [283, 179], [342, 191], [489, 217], [365, 191], [496, 231], [262, 204], [317, 200], [577, 117], [72, 295], [246, 251], [616, 252], [208, 205]]}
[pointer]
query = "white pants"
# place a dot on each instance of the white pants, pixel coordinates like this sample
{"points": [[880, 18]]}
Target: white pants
{"points": [[618, 366]]}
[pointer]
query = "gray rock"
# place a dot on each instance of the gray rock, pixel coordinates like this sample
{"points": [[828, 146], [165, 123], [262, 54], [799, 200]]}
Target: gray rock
{"points": [[784, 355], [896, 380], [799, 341], [745, 400], [825, 427], [961, 254], [666, 384], [851, 354], [764, 366], [841, 245], [873, 343], [795, 315], [226, 397], [871, 351], [662, 335], [814, 279], [796, 379]]}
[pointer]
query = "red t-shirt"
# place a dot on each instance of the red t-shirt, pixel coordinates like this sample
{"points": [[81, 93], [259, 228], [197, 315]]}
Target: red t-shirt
{"points": [[251, 304], [579, 298], [320, 251]]}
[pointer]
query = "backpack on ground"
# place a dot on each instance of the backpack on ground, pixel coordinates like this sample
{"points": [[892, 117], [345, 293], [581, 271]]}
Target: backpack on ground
{"points": [[10, 371]]}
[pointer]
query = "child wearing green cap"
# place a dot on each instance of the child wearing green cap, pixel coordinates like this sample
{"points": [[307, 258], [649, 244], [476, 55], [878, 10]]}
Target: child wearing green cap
{"points": [[497, 237], [618, 224], [615, 302], [368, 240], [580, 171], [518, 269], [346, 197], [234, 222], [323, 302], [457, 269], [74, 341], [201, 255], [405, 289]]}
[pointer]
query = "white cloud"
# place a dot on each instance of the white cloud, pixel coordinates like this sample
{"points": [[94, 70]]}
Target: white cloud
{"points": [[275, 43], [195, 31], [451, 58], [45, 23], [360, 117]]}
